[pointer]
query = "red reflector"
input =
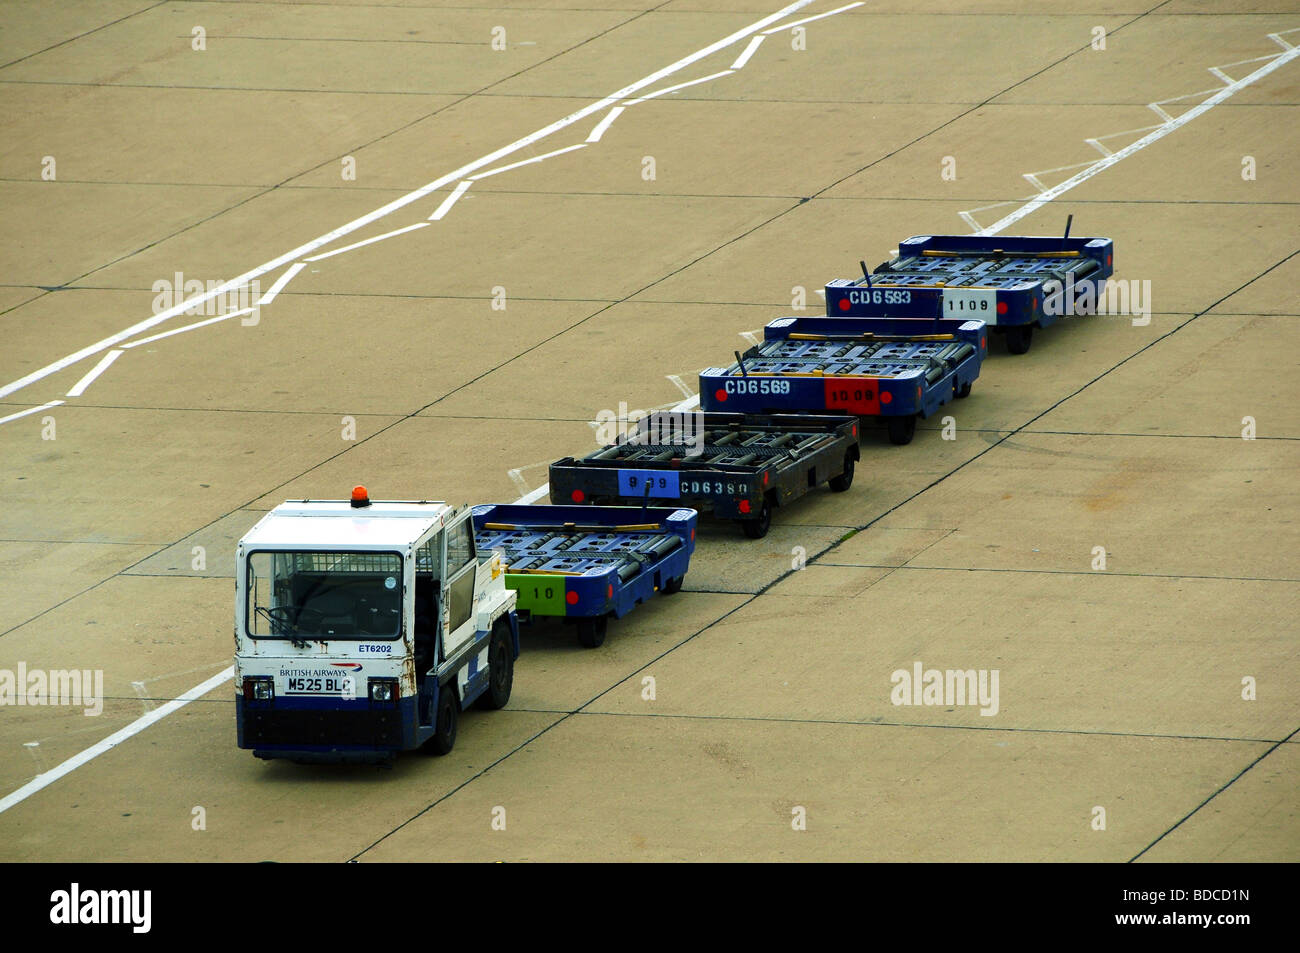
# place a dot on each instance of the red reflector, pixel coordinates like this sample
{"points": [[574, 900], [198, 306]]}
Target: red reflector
{"points": [[744, 506], [984, 343], [855, 429], [1034, 302], [721, 396], [692, 535], [1108, 259], [1002, 307], [609, 592], [886, 397], [572, 598], [844, 304], [578, 496], [918, 393], [765, 475]]}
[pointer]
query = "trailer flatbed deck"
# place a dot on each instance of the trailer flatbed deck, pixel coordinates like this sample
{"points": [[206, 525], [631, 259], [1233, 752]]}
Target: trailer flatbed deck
{"points": [[897, 369], [738, 466], [1012, 283], [586, 563]]}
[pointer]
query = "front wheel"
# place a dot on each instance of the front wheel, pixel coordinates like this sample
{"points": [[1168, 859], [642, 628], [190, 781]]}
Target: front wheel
{"points": [[501, 668], [673, 586], [902, 429], [757, 527], [964, 390], [591, 632], [845, 480], [1019, 337], [444, 731]]}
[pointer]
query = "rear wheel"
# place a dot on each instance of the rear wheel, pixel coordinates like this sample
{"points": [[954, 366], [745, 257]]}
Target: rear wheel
{"points": [[673, 586], [444, 731], [901, 429], [501, 668], [757, 527], [591, 632], [845, 480], [1019, 337], [964, 390]]}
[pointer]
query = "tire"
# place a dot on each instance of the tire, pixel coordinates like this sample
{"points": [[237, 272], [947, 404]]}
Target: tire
{"points": [[839, 484], [591, 632], [757, 527], [672, 586], [501, 669], [901, 429], [1019, 337], [963, 390], [444, 730]]}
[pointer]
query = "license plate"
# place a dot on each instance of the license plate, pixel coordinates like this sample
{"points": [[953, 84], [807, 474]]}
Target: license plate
{"points": [[330, 685], [979, 303], [662, 483], [857, 395]]}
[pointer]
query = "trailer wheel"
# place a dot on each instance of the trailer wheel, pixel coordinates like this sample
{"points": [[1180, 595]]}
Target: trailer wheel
{"points": [[591, 632], [673, 586], [501, 668], [444, 731], [845, 480], [1019, 337], [757, 527], [901, 429], [964, 390]]}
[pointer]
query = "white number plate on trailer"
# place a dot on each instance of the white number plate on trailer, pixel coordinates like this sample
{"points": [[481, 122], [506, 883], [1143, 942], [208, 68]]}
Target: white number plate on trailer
{"points": [[979, 303]]}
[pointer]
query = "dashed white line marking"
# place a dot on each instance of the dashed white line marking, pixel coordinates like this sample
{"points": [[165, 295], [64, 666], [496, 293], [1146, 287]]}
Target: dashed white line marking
{"points": [[280, 282], [79, 388], [449, 201], [403, 201], [188, 327], [672, 89], [29, 411], [604, 124], [524, 162], [367, 241], [750, 50]]}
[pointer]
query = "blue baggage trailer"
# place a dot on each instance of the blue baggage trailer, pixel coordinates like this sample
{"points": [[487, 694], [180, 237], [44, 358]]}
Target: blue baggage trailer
{"points": [[897, 369], [586, 563], [735, 466], [1011, 283]]}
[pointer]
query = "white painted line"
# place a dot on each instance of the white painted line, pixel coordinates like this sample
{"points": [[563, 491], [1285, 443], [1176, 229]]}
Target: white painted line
{"points": [[367, 241], [523, 162], [157, 714], [750, 50], [29, 411], [280, 282], [534, 495], [449, 201], [680, 384], [112, 741], [605, 123], [188, 327], [403, 201], [821, 16], [1104, 163], [80, 387], [673, 89]]}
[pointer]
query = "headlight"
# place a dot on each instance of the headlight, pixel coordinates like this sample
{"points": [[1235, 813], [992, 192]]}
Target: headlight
{"points": [[384, 690], [259, 689]]}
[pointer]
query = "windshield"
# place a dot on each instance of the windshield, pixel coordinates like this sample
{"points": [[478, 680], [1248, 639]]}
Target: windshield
{"points": [[302, 596]]}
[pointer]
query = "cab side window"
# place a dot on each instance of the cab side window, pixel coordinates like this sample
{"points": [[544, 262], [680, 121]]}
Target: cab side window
{"points": [[460, 547]]}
